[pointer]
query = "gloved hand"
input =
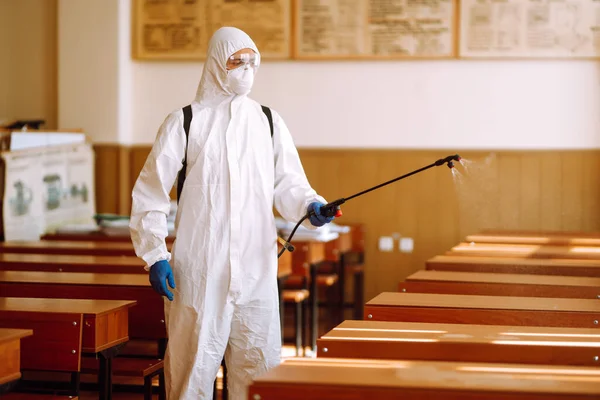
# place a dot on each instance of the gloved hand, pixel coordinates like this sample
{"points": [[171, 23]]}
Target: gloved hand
{"points": [[318, 219], [160, 272]]}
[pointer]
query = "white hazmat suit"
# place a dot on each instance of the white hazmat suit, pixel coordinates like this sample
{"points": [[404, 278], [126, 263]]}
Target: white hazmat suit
{"points": [[225, 254]]}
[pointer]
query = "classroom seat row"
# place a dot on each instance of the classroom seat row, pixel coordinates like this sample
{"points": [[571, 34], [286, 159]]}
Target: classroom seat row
{"points": [[94, 287], [502, 315]]}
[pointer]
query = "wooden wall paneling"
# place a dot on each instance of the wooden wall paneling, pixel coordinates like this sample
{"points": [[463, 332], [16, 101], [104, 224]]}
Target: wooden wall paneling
{"points": [[509, 173], [394, 211], [427, 238], [477, 193], [530, 191], [125, 184], [571, 189], [446, 194], [551, 184], [107, 177], [591, 191]]}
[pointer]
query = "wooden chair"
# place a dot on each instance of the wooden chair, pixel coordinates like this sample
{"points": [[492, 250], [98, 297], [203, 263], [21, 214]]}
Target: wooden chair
{"points": [[133, 367], [298, 299]]}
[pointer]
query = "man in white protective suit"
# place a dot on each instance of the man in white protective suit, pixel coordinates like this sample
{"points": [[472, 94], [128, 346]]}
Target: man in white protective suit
{"points": [[223, 300]]}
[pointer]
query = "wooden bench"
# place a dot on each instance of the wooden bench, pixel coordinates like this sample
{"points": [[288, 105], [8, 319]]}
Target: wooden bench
{"points": [[484, 310], [71, 263], [325, 379], [142, 368], [10, 354], [64, 329], [515, 265], [556, 240], [461, 342], [484, 283], [525, 250]]}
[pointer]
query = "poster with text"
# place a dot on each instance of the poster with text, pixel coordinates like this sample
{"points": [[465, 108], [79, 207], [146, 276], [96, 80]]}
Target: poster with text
{"points": [[181, 29], [530, 28], [339, 29]]}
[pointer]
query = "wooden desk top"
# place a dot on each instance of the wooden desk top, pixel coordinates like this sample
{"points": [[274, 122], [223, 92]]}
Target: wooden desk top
{"points": [[69, 247], [488, 260], [557, 240], [485, 277], [526, 250], [75, 278], [67, 306], [70, 259], [462, 333], [7, 335], [392, 299], [434, 375]]}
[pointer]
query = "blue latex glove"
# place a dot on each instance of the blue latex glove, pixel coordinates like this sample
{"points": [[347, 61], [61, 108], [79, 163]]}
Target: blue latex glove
{"points": [[318, 219], [159, 274]]}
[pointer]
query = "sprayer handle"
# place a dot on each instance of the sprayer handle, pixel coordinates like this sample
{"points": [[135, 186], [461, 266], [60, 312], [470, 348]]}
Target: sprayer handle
{"points": [[332, 209]]}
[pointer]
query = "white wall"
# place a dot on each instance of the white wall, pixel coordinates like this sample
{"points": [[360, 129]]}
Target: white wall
{"points": [[88, 59], [447, 104], [28, 60]]}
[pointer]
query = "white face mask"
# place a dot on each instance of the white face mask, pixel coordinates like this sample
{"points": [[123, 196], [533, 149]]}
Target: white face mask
{"points": [[240, 80]]}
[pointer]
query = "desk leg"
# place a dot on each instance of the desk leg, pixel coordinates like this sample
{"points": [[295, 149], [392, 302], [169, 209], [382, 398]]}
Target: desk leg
{"points": [[314, 304], [358, 295], [105, 373], [341, 288]]}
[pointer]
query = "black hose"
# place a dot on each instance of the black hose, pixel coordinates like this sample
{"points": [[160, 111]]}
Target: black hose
{"points": [[330, 209]]}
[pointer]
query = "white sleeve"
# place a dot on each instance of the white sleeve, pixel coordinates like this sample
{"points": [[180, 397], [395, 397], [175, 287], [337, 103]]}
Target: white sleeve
{"points": [[150, 198], [293, 192]]}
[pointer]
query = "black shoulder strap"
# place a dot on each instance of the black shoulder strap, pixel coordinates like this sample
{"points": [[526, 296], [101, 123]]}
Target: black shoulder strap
{"points": [[187, 120], [267, 112]]}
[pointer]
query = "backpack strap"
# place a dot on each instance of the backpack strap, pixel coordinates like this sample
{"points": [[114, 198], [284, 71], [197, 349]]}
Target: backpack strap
{"points": [[267, 112], [187, 121]]}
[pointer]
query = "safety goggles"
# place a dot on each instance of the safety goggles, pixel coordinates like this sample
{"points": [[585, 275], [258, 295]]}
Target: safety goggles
{"points": [[244, 59]]}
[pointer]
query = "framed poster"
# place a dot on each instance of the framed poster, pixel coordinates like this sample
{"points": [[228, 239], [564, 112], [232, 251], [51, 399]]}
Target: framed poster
{"points": [[530, 29], [375, 29], [181, 29]]}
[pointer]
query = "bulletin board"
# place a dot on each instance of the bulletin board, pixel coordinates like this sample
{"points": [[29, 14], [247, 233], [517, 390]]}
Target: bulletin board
{"points": [[530, 29], [375, 29], [181, 29]]}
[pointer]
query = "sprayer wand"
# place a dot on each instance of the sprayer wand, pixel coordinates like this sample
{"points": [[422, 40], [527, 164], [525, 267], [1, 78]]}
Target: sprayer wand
{"points": [[333, 209]]}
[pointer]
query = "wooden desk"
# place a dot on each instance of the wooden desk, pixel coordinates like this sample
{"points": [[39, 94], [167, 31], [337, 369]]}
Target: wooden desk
{"points": [[98, 236], [71, 263], [490, 284], [508, 265], [83, 248], [556, 240], [325, 379], [484, 310], [461, 342], [525, 250], [101, 324], [10, 354], [146, 321]]}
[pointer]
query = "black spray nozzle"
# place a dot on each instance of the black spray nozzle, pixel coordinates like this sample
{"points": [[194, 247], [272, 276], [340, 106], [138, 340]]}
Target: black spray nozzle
{"points": [[448, 160]]}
